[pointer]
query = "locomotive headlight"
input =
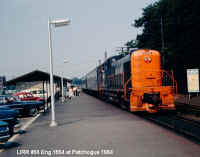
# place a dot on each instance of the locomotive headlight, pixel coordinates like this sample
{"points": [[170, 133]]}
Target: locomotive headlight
{"points": [[149, 59]]}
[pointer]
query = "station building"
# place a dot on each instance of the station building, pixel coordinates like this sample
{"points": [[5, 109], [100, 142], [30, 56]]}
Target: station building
{"points": [[2, 82], [38, 83]]}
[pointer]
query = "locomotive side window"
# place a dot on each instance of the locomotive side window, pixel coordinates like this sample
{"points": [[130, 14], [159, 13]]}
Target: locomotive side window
{"points": [[127, 71], [127, 75]]}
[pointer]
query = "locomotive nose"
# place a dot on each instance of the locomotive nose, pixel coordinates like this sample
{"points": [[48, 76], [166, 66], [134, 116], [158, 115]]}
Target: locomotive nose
{"points": [[153, 98]]}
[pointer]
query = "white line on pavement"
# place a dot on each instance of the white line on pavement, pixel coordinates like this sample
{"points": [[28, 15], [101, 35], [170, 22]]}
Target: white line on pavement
{"points": [[24, 127]]}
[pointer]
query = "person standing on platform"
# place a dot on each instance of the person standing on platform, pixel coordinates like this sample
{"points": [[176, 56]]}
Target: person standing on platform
{"points": [[75, 91], [71, 93], [78, 91], [67, 93]]}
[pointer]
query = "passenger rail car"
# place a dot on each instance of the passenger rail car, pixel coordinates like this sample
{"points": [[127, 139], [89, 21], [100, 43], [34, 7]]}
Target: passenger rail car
{"points": [[135, 80]]}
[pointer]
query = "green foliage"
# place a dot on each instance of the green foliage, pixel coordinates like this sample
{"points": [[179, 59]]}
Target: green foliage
{"points": [[76, 81], [131, 44], [181, 23], [124, 53]]}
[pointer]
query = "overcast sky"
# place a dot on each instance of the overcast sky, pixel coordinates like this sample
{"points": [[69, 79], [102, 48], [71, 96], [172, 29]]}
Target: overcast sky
{"points": [[97, 25]]}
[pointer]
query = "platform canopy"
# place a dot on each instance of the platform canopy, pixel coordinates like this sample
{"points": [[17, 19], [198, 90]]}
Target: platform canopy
{"points": [[35, 75]]}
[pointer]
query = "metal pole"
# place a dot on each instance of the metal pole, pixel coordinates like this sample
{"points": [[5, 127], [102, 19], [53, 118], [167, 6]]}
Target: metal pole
{"points": [[189, 99], [43, 94], [163, 42], [62, 83], [47, 95], [53, 121]]}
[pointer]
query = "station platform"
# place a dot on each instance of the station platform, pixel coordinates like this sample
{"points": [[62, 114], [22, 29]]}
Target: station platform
{"points": [[194, 100], [90, 127]]}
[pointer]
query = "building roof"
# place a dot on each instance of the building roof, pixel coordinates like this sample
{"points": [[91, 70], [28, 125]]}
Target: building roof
{"points": [[35, 75]]}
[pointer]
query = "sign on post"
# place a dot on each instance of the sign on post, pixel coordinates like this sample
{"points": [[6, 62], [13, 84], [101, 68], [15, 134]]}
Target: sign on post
{"points": [[193, 80]]}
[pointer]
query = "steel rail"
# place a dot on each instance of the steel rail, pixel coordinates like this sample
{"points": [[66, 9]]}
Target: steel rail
{"points": [[188, 108], [178, 123]]}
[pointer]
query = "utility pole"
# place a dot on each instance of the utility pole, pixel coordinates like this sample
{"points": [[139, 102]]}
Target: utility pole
{"points": [[163, 42], [105, 55]]}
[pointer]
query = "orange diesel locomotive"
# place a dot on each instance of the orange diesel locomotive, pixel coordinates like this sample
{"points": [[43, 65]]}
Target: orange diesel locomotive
{"points": [[136, 81]]}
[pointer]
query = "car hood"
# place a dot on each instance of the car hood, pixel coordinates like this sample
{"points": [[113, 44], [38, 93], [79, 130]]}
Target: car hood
{"points": [[29, 102], [2, 123], [5, 112]]}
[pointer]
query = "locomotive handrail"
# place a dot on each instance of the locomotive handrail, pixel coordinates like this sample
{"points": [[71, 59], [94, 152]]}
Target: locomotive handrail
{"points": [[125, 85], [174, 82], [174, 85]]}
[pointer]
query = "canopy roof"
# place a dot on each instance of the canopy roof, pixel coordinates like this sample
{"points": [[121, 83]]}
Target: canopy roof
{"points": [[35, 75]]}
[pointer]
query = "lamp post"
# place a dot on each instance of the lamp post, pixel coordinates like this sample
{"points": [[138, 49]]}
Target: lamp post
{"points": [[56, 23], [62, 82]]}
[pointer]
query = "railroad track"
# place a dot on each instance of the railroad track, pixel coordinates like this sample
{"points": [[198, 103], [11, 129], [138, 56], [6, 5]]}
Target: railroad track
{"points": [[174, 120], [178, 123], [194, 108], [188, 108]]}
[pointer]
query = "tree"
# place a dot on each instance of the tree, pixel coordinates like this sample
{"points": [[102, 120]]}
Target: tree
{"points": [[76, 81], [181, 23]]}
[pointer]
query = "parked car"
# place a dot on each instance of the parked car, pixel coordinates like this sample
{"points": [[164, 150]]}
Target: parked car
{"points": [[10, 116], [27, 96], [24, 107], [4, 131], [38, 93]]}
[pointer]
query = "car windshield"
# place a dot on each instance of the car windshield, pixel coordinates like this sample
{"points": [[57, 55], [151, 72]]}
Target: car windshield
{"points": [[29, 95], [7, 99], [21, 96], [12, 98], [37, 92]]}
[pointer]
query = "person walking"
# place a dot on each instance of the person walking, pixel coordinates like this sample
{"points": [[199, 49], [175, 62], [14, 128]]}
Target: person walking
{"points": [[71, 93], [78, 91]]}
